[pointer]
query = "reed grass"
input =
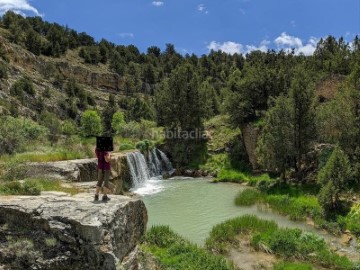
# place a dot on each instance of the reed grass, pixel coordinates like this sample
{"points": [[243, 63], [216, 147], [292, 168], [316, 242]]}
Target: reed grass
{"points": [[174, 252]]}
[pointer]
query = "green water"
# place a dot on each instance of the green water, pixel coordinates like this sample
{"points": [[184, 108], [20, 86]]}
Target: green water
{"points": [[192, 207]]}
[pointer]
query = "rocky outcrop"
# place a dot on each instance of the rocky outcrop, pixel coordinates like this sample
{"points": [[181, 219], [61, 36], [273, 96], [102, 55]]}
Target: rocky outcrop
{"points": [[120, 174], [83, 170], [78, 170], [110, 81], [70, 232]]}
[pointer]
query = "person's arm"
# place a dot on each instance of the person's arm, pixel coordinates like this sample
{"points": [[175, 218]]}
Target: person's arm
{"points": [[107, 157]]}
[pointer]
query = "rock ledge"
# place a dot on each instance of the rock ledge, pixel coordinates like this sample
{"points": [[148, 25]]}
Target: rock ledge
{"points": [[86, 235]]}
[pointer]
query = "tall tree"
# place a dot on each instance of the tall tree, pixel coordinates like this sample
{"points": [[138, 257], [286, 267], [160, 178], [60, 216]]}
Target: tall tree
{"points": [[275, 146], [334, 178], [303, 114]]}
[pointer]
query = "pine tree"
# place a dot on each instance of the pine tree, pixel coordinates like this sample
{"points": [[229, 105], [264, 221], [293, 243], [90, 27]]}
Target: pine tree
{"points": [[275, 147], [303, 115], [335, 178]]}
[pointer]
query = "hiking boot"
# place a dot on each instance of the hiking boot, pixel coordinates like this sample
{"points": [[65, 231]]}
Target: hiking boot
{"points": [[96, 197], [105, 198]]}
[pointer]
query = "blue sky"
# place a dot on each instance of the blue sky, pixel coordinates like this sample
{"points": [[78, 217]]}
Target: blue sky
{"points": [[196, 26]]}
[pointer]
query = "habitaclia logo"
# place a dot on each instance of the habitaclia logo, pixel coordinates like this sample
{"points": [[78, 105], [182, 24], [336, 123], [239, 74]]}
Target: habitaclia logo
{"points": [[196, 134]]}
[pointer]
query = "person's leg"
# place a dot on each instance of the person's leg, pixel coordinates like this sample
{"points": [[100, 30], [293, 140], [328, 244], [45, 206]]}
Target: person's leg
{"points": [[99, 183], [106, 184]]}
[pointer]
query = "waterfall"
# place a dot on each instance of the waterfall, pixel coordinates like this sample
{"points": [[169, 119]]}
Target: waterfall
{"points": [[166, 161], [138, 169], [141, 171], [154, 163]]}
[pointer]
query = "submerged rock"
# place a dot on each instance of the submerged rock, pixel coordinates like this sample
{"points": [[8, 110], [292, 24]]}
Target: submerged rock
{"points": [[83, 234]]}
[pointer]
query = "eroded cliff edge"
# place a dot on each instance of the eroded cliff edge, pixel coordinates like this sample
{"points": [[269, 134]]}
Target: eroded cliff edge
{"points": [[70, 232]]}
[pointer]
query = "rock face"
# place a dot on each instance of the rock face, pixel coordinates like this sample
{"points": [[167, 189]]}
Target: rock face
{"points": [[85, 234], [78, 170], [84, 170]]}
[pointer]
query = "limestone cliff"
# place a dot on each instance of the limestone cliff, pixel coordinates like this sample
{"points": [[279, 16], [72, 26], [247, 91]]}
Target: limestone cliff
{"points": [[83, 234]]}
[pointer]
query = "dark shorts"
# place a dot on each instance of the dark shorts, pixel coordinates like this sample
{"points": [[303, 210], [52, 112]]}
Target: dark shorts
{"points": [[103, 177]]}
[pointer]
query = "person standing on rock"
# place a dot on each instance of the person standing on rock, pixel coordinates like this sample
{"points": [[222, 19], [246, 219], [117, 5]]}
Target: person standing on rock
{"points": [[103, 174]]}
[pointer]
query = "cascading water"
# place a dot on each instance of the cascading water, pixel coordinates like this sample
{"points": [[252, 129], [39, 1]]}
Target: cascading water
{"points": [[145, 175], [166, 161], [154, 164], [138, 169]]}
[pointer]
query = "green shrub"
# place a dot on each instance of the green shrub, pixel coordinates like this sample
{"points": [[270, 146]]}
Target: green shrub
{"points": [[15, 133], [125, 146], [247, 197], [32, 187], [263, 178], [353, 220], [3, 70], [284, 241], [117, 122], [22, 85], [18, 188], [11, 188], [145, 146], [12, 169], [69, 128], [91, 123]]}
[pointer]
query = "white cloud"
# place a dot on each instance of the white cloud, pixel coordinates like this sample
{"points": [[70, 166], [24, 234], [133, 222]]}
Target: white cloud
{"points": [[157, 3], [231, 47], [287, 44], [227, 47], [262, 47], [309, 48], [202, 8], [287, 40], [126, 35], [18, 6]]}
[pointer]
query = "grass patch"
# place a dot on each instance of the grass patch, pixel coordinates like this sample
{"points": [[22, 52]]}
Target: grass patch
{"points": [[174, 252], [286, 243], [292, 266], [231, 175], [34, 187], [224, 233], [248, 197], [20, 188], [297, 208], [42, 157], [296, 201]]}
